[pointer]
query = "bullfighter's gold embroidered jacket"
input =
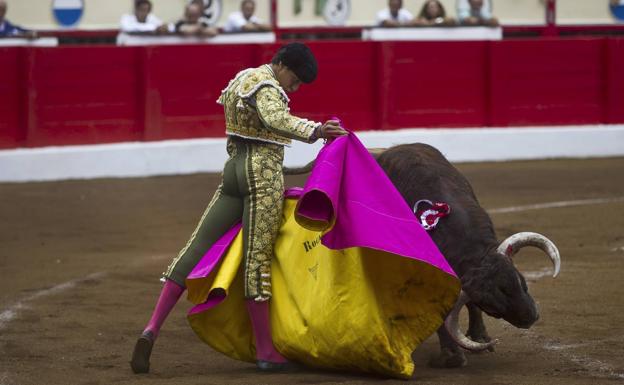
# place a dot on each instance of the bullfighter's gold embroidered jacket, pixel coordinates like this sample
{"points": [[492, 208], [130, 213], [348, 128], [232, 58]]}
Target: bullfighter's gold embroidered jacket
{"points": [[256, 107]]}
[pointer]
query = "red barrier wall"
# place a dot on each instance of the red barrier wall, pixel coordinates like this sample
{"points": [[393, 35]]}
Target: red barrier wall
{"points": [[433, 85], [11, 128], [553, 82], [614, 93], [80, 95]]}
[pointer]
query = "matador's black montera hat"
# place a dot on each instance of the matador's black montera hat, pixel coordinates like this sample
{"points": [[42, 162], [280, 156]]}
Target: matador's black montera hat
{"points": [[300, 60]]}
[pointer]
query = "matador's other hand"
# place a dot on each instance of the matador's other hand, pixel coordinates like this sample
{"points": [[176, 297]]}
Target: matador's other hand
{"points": [[332, 129]]}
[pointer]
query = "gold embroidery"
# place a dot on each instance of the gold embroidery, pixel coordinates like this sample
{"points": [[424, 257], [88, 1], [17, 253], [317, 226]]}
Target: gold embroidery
{"points": [[267, 186], [256, 107]]}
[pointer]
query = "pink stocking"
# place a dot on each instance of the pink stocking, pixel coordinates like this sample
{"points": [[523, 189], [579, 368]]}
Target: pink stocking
{"points": [[169, 296], [259, 314]]}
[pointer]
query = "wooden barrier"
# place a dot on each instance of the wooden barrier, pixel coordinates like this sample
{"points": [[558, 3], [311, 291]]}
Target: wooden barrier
{"points": [[86, 95]]}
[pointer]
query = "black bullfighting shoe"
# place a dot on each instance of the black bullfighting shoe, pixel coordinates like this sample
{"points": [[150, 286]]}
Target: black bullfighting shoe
{"points": [[142, 351]]}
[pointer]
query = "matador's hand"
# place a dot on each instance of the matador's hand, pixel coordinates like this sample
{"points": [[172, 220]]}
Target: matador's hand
{"points": [[331, 129]]}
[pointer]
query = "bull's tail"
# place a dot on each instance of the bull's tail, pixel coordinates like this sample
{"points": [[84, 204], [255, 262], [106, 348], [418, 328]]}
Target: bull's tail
{"points": [[375, 152]]}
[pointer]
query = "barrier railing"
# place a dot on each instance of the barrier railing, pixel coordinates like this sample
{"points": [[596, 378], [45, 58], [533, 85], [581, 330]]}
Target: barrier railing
{"points": [[99, 94]]}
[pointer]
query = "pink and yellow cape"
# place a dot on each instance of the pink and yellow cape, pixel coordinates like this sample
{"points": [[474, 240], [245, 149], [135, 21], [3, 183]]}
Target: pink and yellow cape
{"points": [[357, 283]]}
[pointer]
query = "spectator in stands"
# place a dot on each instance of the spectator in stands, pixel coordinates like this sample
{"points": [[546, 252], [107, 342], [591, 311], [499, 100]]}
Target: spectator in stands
{"points": [[9, 29], [204, 18], [477, 13], [142, 20], [395, 15], [191, 25], [244, 20], [433, 13], [463, 7]]}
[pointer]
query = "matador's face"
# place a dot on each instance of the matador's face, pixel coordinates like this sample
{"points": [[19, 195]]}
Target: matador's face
{"points": [[287, 79]]}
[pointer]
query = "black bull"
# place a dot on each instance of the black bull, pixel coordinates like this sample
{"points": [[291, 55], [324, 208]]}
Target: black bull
{"points": [[490, 281]]}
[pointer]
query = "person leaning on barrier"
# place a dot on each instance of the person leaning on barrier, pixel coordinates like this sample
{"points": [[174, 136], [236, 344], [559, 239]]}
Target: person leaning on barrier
{"points": [[191, 24], [245, 20], [477, 13], [433, 13], [394, 16], [142, 20], [8, 29]]}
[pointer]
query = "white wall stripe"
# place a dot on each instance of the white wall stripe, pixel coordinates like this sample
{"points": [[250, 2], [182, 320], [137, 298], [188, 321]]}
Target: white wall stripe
{"points": [[171, 157]]}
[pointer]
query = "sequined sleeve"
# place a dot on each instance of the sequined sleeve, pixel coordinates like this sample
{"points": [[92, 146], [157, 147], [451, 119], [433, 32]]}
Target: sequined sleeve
{"points": [[274, 114]]}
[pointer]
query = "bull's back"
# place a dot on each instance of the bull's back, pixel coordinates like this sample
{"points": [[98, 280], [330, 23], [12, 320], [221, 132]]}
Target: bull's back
{"points": [[420, 171]]}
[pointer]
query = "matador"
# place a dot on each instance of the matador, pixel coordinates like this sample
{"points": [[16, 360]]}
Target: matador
{"points": [[258, 126]]}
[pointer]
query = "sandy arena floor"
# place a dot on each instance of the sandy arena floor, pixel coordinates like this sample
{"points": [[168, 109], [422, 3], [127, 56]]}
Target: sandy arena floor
{"points": [[80, 263]]}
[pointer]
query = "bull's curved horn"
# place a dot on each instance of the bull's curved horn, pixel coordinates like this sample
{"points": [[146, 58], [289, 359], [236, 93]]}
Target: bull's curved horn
{"points": [[299, 170], [452, 327], [514, 243], [375, 152]]}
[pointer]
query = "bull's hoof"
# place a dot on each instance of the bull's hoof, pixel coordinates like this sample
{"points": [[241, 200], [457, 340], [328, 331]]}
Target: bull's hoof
{"points": [[449, 359]]}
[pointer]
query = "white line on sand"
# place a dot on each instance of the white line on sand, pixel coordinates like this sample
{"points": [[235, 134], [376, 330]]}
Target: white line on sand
{"points": [[550, 205], [4, 378], [593, 365], [11, 312], [590, 364], [533, 276]]}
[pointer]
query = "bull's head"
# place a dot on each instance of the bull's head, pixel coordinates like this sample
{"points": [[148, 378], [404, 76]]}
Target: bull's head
{"points": [[499, 289]]}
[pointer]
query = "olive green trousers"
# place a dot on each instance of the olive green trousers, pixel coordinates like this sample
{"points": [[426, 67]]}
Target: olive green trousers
{"points": [[251, 189]]}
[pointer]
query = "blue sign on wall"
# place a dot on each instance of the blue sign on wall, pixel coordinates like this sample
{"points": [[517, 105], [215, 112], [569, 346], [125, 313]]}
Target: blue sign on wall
{"points": [[67, 12], [617, 9]]}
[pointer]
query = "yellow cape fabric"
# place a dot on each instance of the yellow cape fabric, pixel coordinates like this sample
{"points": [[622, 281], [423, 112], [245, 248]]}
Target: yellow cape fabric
{"points": [[355, 309]]}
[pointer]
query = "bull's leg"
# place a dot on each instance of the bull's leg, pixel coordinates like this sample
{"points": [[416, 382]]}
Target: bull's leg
{"points": [[476, 327], [451, 355]]}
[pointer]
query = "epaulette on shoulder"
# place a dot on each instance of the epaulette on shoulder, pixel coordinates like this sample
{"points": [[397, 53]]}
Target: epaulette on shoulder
{"points": [[255, 80], [232, 81]]}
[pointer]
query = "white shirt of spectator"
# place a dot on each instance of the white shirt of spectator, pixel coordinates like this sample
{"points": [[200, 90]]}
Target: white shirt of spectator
{"points": [[130, 23], [403, 17], [236, 21], [463, 9]]}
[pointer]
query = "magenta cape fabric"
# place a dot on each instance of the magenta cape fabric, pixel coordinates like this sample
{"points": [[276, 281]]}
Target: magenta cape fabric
{"points": [[208, 262], [348, 186]]}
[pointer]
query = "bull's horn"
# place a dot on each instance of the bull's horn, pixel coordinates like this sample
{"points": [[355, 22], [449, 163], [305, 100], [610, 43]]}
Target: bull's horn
{"points": [[375, 152], [514, 243], [299, 170], [452, 327]]}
